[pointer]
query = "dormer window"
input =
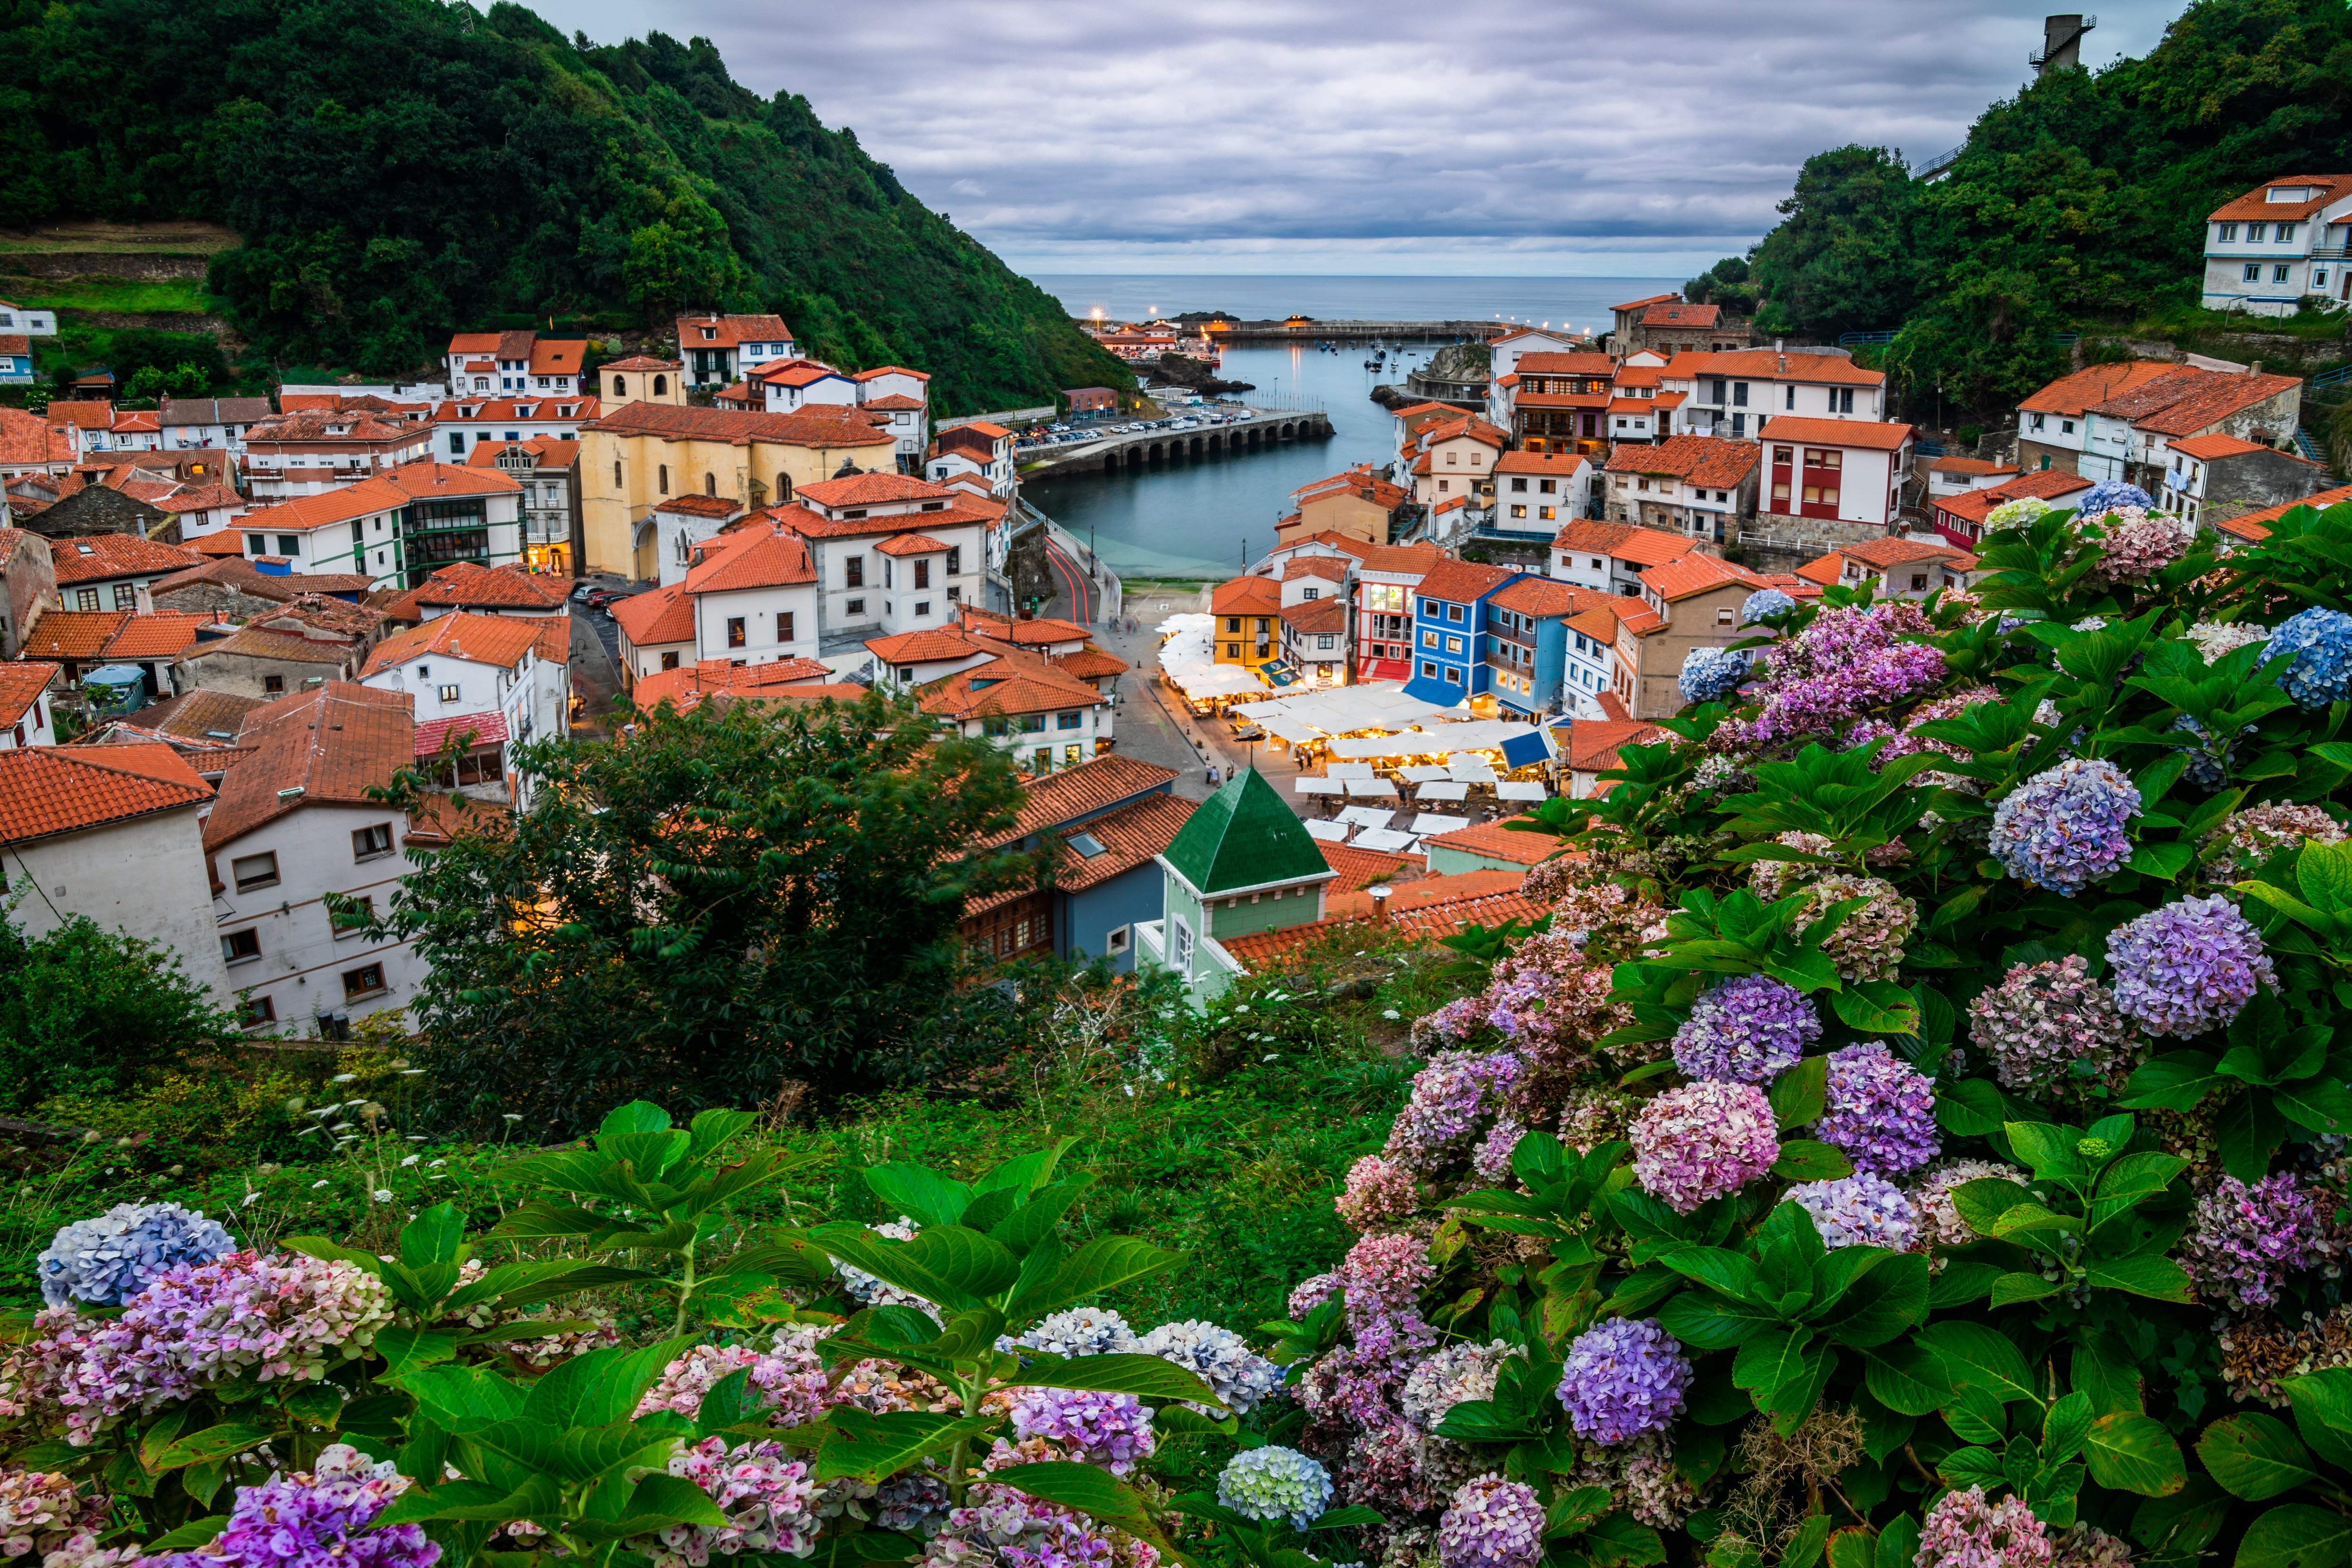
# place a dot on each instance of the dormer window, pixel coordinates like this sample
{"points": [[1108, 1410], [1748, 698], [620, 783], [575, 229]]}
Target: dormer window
{"points": [[709, 334], [2289, 194], [856, 511], [935, 506]]}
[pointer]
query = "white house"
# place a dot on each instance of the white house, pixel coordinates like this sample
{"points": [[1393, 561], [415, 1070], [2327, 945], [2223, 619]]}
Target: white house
{"points": [[311, 451], [1851, 470], [1451, 459], [720, 349], [1734, 393], [1894, 568], [15, 319], [2280, 242], [515, 362], [754, 595], [505, 668], [1957, 476], [219, 423], [114, 833], [395, 527], [905, 397], [656, 632], [26, 715], [462, 424], [1505, 352], [976, 447], [1537, 493], [1046, 718], [292, 824], [791, 385], [1611, 556], [847, 520], [682, 525]]}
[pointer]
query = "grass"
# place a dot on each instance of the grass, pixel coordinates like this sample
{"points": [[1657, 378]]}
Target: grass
{"points": [[176, 296]]}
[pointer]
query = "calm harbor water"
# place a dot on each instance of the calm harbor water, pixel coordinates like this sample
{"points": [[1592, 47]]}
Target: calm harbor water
{"points": [[1210, 516]]}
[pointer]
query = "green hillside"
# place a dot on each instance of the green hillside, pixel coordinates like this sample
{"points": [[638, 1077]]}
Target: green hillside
{"points": [[2078, 203], [401, 167]]}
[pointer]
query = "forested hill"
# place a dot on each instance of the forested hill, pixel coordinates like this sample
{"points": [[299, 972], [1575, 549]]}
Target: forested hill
{"points": [[401, 167], [2080, 201]]}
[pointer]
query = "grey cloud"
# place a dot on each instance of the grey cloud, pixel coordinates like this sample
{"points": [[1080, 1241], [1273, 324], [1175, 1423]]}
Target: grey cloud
{"points": [[1284, 128]]}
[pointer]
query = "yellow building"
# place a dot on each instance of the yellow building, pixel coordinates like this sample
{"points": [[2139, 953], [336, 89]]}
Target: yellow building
{"points": [[641, 378], [643, 454], [1249, 622]]}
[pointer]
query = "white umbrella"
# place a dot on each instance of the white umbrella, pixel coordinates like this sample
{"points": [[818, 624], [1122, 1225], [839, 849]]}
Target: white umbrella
{"points": [[1366, 817], [1319, 786], [1387, 840], [1429, 822], [1372, 789], [1329, 832], [1443, 788], [1522, 789]]}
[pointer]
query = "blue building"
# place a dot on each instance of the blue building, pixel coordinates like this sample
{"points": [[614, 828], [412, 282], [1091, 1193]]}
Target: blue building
{"points": [[1451, 616], [1099, 828], [1527, 644], [15, 359]]}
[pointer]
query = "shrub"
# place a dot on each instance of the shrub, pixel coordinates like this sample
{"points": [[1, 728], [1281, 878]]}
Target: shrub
{"points": [[2064, 982]]}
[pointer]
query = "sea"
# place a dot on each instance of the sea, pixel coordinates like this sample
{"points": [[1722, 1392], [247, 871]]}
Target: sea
{"points": [[1209, 516]]}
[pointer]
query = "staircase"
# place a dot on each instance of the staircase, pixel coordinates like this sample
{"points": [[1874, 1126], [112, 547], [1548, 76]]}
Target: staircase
{"points": [[2310, 447]]}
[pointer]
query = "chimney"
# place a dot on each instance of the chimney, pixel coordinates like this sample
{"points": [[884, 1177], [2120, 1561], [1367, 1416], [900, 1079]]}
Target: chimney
{"points": [[1380, 897], [2255, 368]]}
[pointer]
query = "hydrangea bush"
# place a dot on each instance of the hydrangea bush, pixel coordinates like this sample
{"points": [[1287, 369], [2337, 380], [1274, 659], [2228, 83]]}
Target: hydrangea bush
{"points": [[1949, 1134], [943, 1388]]}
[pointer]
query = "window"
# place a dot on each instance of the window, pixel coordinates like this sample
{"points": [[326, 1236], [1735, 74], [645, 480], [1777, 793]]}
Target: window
{"points": [[290, 544], [922, 574], [255, 1011], [1453, 645], [955, 560], [1428, 670], [1232, 650], [665, 478], [616, 473], [2253, 271], [923, 608], [1918, 581], [2278, 273], [1454, 614], [1324, 639], [251, 871], [237, 946], [2229, 234], [1453, 676], [2066, 427], [1313, 593], [669, 659], [1069, 721], [358, 919], [451, 694], [365, 980], [1519, 512], [273, 683], [1181, 945], [1715, 389], [661, 385], [2285, 233], [783, 625], [853, 608], [709, 484], [1841, 400], [853, 571], [1739, 393], [735, 631], [1032, 724], [1115, 943], [620, 386], [1451, 458], [2255, 233], [1723, 617], [1444, 486], [86, 598], [370, 843]]}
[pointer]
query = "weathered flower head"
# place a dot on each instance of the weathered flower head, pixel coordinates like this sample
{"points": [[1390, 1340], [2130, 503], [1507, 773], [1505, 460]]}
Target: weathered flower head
{"points": [[2321, 642], [1218, 1357], [1113, 1430], [1713, 674], [1453, 1098], [1378, 1192], [105, 1262], [1749, 1029], [1271, 1483], [2066, 828], [2245, 1240], [2247, 838], [1081, 1330], [2188, 966], [1491, 1523], [1868, 943], [2049, 1023], [2135, 543], [1702, 1141], [1881, 1110], [1940, 1224], [1964, 1530], [1450, 1376], [1861, 1210], [1625, 1378], [2216, 638]]}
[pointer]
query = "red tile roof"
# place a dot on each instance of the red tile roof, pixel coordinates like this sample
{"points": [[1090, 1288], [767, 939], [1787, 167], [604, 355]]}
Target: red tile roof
{"points": [[2256, 203], [1461, 581], [31, 439], [1637, 304], [660, 616], [1697, 574], [165, 634], [1251, 595], [1707, 460], [332, 745], [472, 586], [927, 644], [727, 331], [770, 558], [1358, 868], [701, 506], [1869, 435], [817, 430], [501, 640], [1011, 683], [1129, 837], [21, 682], [97, 557], [1542, 362], [486, 729], [1592, 744], [2212, 398], [641, 362], [1623, 540], [48, 790], [200, 715], [691, 684], [872, 489], [1680, 315], [1557, 465], [911, 544], [1765, 364], [2071, 396], [1975, 467], [1431, 908], [1499, 840], [2206, 448], [1544, 596], [1060, 798], [73, 634]]}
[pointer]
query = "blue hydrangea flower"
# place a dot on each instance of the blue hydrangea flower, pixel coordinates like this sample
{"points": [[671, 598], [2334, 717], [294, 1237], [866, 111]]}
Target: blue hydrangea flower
{"points": [[1712, 674], [1750, 1029], [2321, 641], [2111, 494], [1765, 603], [1218, 1357], [2065, 829], [105, 1262], [1272, 1482]]}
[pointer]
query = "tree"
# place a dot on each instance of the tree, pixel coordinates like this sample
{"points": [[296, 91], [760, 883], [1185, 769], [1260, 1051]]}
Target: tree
{"points": [[84, 1010], [1840, 259], [728, 899]]}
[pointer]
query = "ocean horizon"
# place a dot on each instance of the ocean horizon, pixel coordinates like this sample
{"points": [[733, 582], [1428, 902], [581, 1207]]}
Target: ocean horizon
{"points": [[1578, 303]]}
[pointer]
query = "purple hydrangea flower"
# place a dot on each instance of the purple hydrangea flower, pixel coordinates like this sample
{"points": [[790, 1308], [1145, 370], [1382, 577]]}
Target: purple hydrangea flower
{"points": [[316, 1519], [1750, 1029], [1702, 1141], [1113, 1430], [1881, 1110], [2188, 966], [2245, 1240], [1491, 1523], [2321, 641], [1312, 1292], [1452, 1098], [1625, 1378], [1964, 1530], [2064, 829], [1861, 1210], [1847, 663]]}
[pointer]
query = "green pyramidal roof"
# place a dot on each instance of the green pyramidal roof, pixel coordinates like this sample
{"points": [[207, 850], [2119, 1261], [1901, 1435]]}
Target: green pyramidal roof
{"points": [[1243, 836]]}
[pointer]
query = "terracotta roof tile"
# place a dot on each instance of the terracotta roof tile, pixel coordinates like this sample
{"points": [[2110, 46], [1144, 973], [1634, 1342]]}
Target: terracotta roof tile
{"points": [[1451, 903], [729, 331], [1312, 616], [1544, 362], [773, 559], [2256, 204], [872, 489], [97, 557], [1557, 465], [822, 431], [701, 506], [911, 544], [2206, 448], [1461, 581], [73, 634], [22, 680], [487, 728], [1011, 683], [1869, 435], [1544, 596], [1129, 837], [332, 745], [1975, 468], [1697, 574], [470, 585], [1499, 840], [2250, 525], [1708, 460], [2213, 400], [662, 615], [200, 715], [925, 646], [1358, 867], [164, 635], [48, 790], [255, 642], [1765, 364], [501, 640], [1592, 744], [2074, 393], [691, 684], [641, 362], [1250, 595], [1680, 315]]}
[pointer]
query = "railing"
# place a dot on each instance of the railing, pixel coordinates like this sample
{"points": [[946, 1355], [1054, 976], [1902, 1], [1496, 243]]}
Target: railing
{"points": [[2337, 377], [1928, 168], [1851, 340]]}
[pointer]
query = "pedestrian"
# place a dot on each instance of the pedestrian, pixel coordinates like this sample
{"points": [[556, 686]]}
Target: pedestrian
{"points": [[1214, 780]]}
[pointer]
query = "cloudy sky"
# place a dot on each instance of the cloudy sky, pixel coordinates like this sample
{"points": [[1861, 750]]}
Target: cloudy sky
{"points": [[1526, 137]]}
